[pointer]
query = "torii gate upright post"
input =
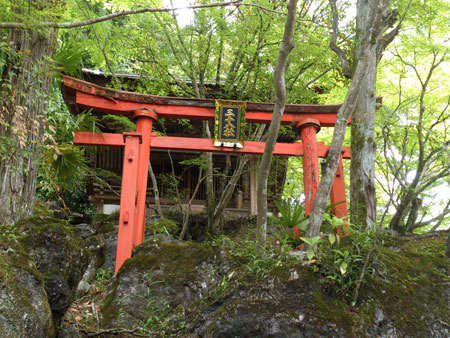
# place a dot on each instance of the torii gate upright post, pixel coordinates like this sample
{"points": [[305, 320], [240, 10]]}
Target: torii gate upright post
{"points": [[144, 123], [338, 198], [127, 198], [308, 129]]}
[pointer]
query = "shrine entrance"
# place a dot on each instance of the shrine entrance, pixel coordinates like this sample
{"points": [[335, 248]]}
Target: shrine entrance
{"points": [[145, 109]]}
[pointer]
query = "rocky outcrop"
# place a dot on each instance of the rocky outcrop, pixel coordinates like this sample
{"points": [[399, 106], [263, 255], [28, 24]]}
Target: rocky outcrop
{"points": [[55, 247], [221, 288], [163, 274], [196, 290], [24, 309]]}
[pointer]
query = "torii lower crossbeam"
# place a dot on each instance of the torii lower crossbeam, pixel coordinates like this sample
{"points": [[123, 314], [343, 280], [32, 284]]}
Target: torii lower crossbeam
{"points": [[132, 212]]}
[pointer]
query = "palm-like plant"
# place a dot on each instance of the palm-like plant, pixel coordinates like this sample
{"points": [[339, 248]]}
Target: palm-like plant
{"points": [[292, 215]]}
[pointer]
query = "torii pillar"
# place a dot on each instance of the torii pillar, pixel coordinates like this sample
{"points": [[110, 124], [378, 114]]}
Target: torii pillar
{"points": [[144, 123], [308, 129], [134, 186]]}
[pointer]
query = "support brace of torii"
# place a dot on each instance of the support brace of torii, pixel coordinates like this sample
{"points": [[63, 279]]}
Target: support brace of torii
{"points": [[147, 108]]}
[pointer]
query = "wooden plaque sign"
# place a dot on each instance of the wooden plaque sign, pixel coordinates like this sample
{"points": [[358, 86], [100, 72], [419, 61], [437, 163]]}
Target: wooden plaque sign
{"points": [[229, 124]]}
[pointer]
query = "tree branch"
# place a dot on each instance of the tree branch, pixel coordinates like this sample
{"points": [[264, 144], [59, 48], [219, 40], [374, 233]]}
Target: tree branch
{"points": [[102, 49], [389, 37], [334, 47], [66, 25]]}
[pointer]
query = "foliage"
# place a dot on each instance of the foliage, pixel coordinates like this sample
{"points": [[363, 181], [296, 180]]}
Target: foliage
{"points": [[64, 167], [69, 57], [343, 263], [164, 226], [257, 259], [292, 214], [413, 132], [156, 311], [118, 123]]}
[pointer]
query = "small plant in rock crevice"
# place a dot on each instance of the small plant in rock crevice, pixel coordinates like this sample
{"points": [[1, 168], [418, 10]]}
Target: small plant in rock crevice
{"points": [[343, 263], [255, 257], [292, 216]]}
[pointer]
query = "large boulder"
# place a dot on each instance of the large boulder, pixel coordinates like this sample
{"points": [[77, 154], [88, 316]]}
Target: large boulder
{"points": [[408, 296], [219, 289], [24, 309], [163, 274], [56, 248]]}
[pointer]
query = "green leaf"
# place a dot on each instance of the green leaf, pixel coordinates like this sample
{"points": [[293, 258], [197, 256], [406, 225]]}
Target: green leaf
{"points": [[310, 254], [332, 238], [343, 267], [307, 240]]}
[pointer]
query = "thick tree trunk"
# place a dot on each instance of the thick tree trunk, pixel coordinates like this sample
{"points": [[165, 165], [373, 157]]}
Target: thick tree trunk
{"points": [[24, 91], [413, 214], [447, 248], [362, 169], [409, 196], [360, 101]]}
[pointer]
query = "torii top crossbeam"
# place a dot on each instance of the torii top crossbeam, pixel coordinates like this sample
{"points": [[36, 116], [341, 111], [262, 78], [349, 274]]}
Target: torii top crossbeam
{"points": [[146, 108]]}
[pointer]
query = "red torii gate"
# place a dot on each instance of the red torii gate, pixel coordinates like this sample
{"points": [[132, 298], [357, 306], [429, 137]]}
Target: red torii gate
{"points": [[147, 108]]}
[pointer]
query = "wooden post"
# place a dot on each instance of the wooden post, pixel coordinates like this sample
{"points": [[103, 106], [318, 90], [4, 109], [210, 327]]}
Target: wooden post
{"points": [[144, 125], [127, 198], [253, 186], [99, 204], [239, 199], [337, 195], [308, 130]]}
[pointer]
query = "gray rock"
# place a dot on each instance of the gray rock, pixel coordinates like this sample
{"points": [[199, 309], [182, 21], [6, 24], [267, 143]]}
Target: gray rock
{"points": [[160, 276], [85, 230], [24, 309], [56, 248], [110, 250]]}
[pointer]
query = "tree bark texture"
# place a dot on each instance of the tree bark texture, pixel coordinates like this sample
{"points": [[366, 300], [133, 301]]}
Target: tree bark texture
{"points": [[361, 90], [362, 168], [280, 93], [447, 248], [155, 190], [24, 91]]}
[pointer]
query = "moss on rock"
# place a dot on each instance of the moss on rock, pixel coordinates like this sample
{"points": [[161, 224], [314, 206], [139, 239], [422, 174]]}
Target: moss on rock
{"points": [[56, 248], [205, 290], [24, 309]]}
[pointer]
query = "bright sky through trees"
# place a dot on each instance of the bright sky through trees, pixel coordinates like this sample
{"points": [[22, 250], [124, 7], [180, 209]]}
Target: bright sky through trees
{"points": [[184, 16]]}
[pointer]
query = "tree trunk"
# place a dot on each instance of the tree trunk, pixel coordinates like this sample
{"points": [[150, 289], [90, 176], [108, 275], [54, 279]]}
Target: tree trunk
{"points": [[447, 248], [24, 91], [278, 110], [210, 200], [334, 153], [155, 190], [413, 214], [362, 168], [370, 43], [228, 190]]}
